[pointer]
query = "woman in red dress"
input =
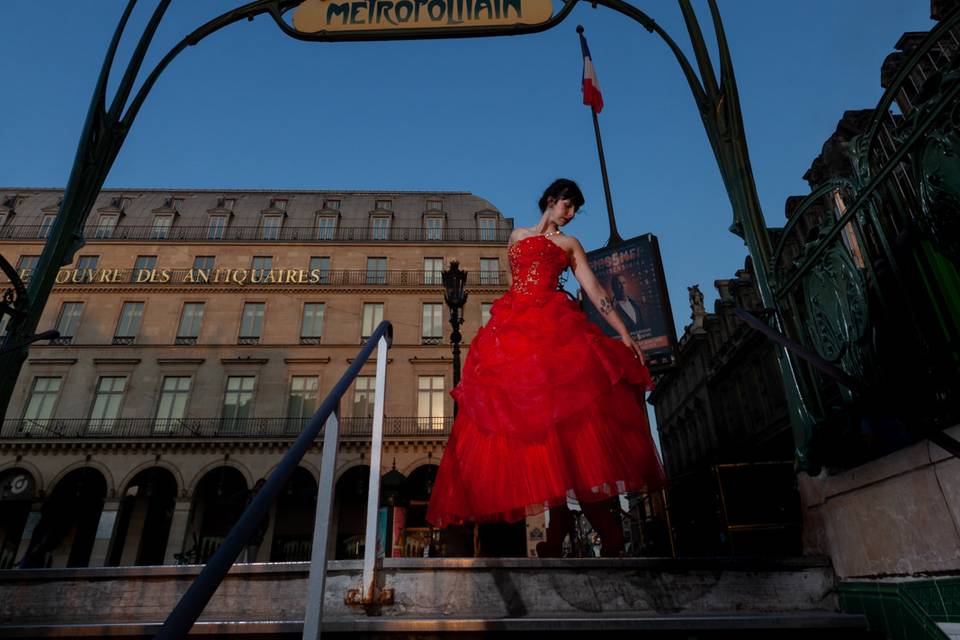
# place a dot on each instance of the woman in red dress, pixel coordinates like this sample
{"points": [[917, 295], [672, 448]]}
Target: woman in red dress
{"points": [[547, 403]]}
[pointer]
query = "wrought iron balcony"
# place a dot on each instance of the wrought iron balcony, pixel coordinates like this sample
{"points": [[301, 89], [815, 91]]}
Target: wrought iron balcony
{"points": [[212, 428], [204, 233], [124, 340]]}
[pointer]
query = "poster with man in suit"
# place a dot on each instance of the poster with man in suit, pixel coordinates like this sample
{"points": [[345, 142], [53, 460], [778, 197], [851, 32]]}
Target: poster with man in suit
{"points": [[632, 274]]}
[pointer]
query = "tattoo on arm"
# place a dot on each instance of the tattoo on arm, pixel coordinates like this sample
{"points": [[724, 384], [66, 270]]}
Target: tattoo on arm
{"points": [[605, 307]]}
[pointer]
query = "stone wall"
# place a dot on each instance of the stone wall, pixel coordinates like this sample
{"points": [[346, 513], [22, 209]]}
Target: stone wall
{"points": [[898, 515]]}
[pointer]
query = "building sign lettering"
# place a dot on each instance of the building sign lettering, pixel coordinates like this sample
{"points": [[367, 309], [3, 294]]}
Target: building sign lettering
{"points": [[191, 276], [359, 15]]}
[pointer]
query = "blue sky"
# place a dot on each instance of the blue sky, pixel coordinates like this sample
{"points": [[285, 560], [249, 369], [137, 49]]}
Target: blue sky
{"points": [[500, 117]]}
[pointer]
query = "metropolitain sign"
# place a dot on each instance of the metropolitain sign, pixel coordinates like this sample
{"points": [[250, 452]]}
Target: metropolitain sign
{"points": [[313, 16]]}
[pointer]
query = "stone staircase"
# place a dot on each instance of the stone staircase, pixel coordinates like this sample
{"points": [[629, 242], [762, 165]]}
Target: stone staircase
{"points": [[696, 598]]}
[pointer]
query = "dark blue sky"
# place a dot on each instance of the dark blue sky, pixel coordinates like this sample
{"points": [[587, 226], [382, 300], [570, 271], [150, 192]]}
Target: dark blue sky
{"points": [[499, 117]]}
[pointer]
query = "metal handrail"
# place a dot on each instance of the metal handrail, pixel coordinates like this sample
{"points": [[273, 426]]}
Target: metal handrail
{"points": [[312, 234], [112, 429], [192, 603]]}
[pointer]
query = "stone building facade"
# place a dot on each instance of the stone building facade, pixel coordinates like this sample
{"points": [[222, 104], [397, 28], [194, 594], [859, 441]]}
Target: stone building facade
{"points": [[199, 331], [725, 433]]}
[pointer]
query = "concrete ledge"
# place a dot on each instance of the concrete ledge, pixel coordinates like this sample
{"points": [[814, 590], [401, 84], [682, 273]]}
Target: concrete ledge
{"points": [[744, 563], [690, 623], [434, 589]]}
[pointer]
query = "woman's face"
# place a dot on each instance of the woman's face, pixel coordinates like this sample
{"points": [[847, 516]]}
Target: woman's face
{"points": [[561, 211]]}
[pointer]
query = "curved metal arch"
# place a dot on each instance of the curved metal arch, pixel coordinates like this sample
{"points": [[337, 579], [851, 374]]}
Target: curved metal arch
{"points": [[794, 220], [906, 68]]}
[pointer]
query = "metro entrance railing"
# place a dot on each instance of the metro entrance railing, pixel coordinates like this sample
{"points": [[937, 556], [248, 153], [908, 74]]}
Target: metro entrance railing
{"points": [[193, 602]]}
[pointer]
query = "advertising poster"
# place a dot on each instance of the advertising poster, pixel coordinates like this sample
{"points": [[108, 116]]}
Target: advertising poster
{"points": [[632, 276]]}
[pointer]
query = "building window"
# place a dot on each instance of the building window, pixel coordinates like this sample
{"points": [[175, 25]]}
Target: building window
{"points": [[485, 313], [68, 321], [380, 228], [320, 269], [106, 223], [332, 204], [432, 328], [86, 267], [434, 228], [488, 228], [190, 320], [433, 271], [303, 397], [372, 316], [43, 399], [46, 224], [434, 205], [260, 266], [280, 204], [430, 402], [106, 403], [204, 264], [251, 325], [173, 403], [376, 271], [129, 324], [216, 227], [326, 227], [311, 329], [143, 268], [270, 229], [364, 392], [237, 401], [172, 203], [489, 271], [3, 218], [26, 265], [384, 205], [161, 227]]}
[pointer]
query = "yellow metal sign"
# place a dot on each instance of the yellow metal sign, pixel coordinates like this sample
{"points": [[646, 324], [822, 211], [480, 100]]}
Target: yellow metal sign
{"points": [[313, 16]]}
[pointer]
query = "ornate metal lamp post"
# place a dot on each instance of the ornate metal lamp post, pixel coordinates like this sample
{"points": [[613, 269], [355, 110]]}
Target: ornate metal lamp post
{"points": [[455, 295]]}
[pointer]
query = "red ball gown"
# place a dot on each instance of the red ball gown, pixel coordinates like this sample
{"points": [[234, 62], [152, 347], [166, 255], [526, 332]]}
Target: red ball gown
{"points": [[547, 404]]}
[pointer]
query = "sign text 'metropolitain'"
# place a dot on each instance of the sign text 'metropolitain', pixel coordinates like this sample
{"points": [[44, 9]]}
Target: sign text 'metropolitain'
{"points": [[363, 15]]}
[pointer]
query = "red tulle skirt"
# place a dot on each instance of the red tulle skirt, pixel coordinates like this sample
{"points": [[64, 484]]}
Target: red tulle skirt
{"points": [[548, 404]]}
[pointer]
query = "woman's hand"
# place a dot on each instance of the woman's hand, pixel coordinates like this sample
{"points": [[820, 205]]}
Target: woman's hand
{"points": [[635, 347]]}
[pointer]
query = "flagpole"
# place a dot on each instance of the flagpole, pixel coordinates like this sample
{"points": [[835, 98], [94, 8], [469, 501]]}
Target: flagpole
{"points": [[615, 238]]}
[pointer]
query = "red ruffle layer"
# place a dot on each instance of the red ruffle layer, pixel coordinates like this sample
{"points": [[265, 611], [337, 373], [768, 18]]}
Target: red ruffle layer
{"points": [[547, 404]]}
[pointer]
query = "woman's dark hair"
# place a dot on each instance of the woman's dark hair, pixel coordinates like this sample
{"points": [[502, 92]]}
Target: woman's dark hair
{"points": [[562, 189]]}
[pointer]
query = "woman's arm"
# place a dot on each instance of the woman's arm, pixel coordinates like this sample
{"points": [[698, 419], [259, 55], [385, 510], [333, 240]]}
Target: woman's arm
{"points": [[584, 275]]}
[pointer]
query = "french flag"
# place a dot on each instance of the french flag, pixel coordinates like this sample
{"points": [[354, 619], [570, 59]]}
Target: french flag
{"points": [[591, 86]]}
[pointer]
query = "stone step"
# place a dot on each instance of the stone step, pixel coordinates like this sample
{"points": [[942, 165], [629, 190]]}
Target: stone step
{"points": [[832, 626], [443, 596]]}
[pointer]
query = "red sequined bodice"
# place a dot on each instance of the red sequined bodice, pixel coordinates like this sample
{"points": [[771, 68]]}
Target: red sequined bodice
{"points": [[536, 263]]}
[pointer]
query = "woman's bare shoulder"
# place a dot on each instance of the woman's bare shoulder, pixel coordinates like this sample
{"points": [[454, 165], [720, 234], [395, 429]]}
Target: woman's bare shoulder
{"points": [[519, 234]]}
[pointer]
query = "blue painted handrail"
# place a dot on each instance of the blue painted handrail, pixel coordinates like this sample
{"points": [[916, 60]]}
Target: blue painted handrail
{"points": [[191, 605]]}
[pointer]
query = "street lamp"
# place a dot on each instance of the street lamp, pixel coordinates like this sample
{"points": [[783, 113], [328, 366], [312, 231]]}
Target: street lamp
{"points": [[455, 295]]}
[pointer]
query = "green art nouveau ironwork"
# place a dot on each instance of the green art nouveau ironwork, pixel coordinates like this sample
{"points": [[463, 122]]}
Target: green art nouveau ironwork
{"points": [[867, 269]]}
